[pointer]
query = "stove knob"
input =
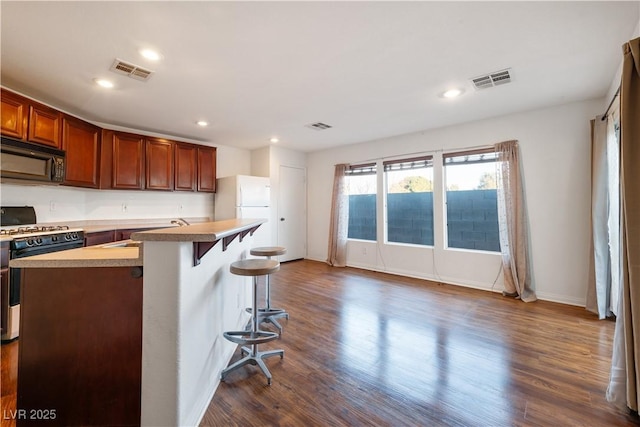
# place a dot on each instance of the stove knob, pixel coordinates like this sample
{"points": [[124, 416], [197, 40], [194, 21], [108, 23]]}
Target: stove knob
{"points": [[67, 237], [54, 238], [74, 236], [30, 242], [39, 241]]}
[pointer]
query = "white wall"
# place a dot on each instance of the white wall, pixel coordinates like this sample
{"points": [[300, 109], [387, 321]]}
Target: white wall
{"points": [[555, 150], [60, 203]]}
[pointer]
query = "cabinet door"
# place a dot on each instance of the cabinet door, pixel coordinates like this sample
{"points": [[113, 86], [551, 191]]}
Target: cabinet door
{"points": [[99, 238], [207, 169], [185, 167], [13, 115], [44, 125], [4, 296], [128, 161], [81, 141], [159, 168]]}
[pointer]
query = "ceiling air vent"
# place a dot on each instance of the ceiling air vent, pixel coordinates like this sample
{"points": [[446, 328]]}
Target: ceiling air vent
{"points": [[490, 80], [131, 70], [319, 126]]}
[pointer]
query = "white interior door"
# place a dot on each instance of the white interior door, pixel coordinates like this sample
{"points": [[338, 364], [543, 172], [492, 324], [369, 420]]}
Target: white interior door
{"points": [[292, 213]]}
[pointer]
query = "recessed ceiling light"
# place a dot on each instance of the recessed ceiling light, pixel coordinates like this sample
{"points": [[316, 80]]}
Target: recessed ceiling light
{"points": [[202, 123], [150, 54], [274, 140], [104, 83], [452, 93]]}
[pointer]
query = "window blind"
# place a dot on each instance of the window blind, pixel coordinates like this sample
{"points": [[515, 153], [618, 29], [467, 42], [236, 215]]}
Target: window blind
{"points": [[486, 155], [360, 170], [407, 164]]}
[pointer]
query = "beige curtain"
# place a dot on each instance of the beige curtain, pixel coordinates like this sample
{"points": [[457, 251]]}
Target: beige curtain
{"points": [[339, 225], [599, 286], [625, 367], [514, 235]]}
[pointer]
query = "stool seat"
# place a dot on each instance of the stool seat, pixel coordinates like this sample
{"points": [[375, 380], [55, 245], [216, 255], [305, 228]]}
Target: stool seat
{"points": [[268, 251], [254, 267]]}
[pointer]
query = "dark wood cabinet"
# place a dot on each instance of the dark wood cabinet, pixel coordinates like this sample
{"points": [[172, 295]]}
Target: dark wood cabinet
{"points": [[186, 167], [4, 294], [13, 115], [207, 169], [4, 285], [126, 234], [44, 126], [107, 159], [128, 161], [81, 345], [99, 237], [30, 121], [81, 141], [159, 165]]}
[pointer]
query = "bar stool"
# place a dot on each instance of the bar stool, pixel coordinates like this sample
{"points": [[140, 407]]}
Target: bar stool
{"points": [[254, 336], [268, 314]]}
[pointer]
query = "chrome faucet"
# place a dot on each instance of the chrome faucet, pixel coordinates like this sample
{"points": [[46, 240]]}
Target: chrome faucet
{"points": [[181, 222]]}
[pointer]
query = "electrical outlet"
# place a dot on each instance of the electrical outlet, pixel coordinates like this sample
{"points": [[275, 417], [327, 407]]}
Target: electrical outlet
{"points": [[52, 206], [364, 251], [124, 207], [180, 207]]}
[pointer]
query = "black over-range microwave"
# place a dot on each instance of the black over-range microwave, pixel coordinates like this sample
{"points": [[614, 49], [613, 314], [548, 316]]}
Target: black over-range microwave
{"points": [[31, 162]]}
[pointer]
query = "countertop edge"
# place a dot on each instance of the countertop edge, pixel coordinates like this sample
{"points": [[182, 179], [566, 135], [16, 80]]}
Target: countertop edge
{"points": [[203, 232]]}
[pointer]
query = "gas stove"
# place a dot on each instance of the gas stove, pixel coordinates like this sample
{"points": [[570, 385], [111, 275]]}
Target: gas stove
{"points": [[27, 239], [19, 223]]}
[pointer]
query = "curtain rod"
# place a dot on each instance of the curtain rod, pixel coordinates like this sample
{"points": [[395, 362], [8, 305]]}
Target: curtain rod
{"points": [[615, 95]]}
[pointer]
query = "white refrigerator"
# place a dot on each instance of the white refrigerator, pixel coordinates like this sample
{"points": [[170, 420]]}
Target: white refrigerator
{"points": [[244, 196]]}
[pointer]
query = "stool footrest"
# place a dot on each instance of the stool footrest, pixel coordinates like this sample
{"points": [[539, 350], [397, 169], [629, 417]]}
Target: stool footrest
{"points": [[250, 337], [253, 358]]}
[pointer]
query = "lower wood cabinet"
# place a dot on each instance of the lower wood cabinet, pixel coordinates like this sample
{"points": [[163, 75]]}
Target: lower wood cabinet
{"points": [[99, 237], [80, 346]]}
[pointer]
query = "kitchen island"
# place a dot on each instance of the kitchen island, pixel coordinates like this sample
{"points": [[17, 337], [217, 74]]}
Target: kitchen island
{"points": [[126, 334]]}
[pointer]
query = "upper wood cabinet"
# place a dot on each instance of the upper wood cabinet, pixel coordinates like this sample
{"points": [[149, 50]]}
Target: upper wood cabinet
{"points": [[186, 167], [14, 115], [128, 161], [207, 169], [28, 120], [159, 166], [81, 141], [44, 126]]}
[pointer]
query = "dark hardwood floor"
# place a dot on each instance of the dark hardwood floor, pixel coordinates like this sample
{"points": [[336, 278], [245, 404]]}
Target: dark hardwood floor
{"points": [[371, 349]]}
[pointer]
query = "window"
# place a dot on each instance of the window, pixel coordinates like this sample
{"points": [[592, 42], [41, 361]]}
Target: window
{"points": [[362, 184], [409, 186], [471, 197]]}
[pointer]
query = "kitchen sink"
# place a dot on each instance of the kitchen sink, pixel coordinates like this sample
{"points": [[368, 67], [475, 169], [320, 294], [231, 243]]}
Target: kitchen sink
{"points": [[120, 244]]}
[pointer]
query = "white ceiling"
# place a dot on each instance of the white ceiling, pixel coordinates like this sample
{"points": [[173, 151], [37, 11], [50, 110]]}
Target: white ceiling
{"points": [[260, 69]]}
